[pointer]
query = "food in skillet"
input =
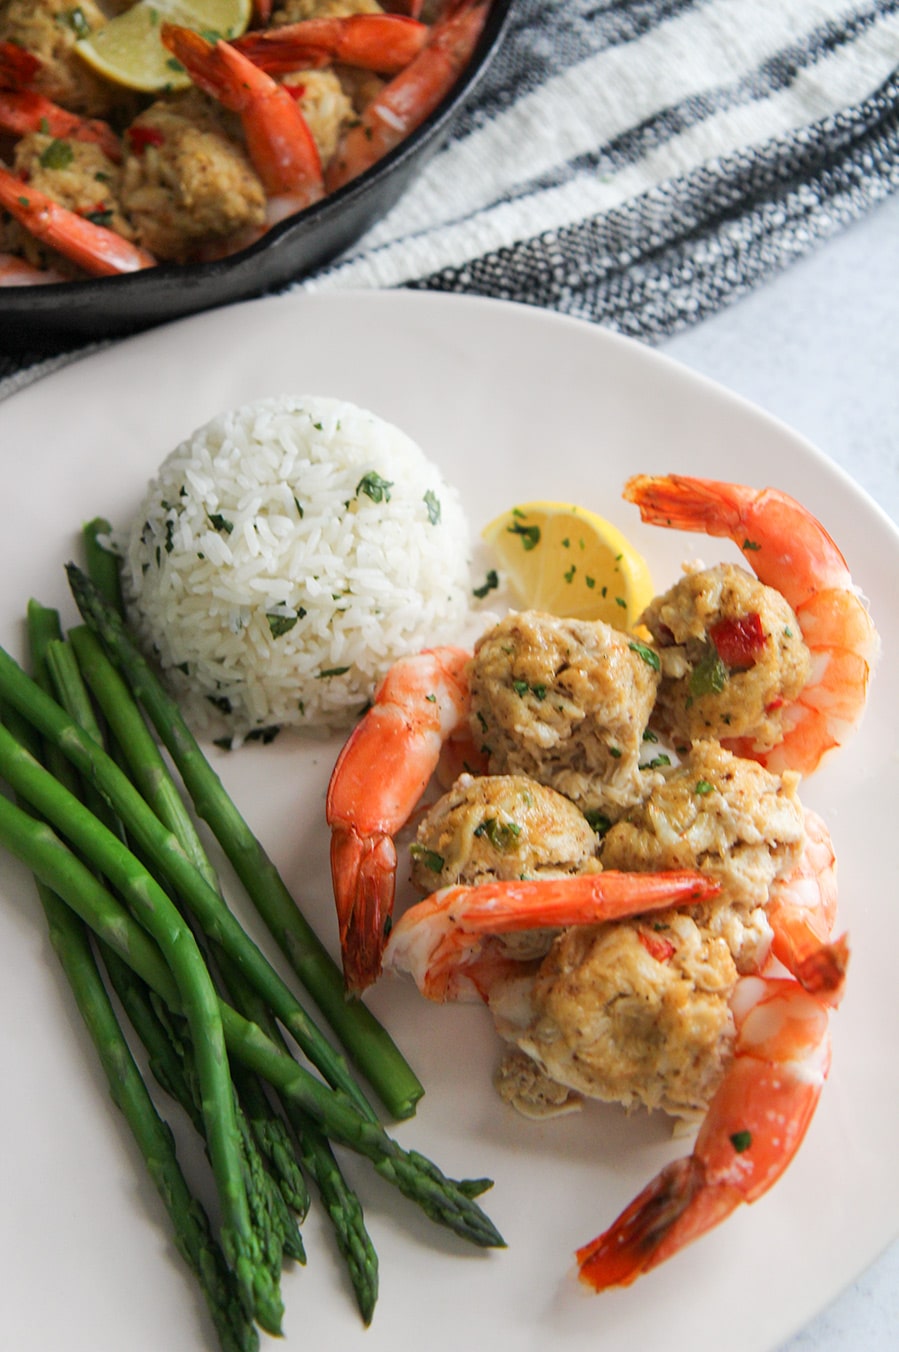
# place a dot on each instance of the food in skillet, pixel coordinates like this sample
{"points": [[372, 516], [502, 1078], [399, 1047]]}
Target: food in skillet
{"points": [[270, 122], [715, 1009]]}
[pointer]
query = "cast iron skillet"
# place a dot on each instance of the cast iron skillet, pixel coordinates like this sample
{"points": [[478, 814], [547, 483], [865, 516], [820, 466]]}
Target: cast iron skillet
{"points": [[112, 306]]}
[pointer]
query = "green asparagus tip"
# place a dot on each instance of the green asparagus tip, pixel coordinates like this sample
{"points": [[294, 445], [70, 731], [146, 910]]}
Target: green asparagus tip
{"points": [[475, 1187]]}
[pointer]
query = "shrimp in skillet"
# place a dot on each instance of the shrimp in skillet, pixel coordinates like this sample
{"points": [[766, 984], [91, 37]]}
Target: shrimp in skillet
{"points": [[413, 94], [95, 248], [790, 551], [279, 142]]}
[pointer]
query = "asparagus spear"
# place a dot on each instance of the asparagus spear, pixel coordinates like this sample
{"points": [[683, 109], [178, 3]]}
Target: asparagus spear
{"points": [[263, 1128], [193, 1237], [445, 1201], [101, 563], [158, 788], [171, 1057], [200, 1005], [341, 1203], [162, 847], [365, 1040]]}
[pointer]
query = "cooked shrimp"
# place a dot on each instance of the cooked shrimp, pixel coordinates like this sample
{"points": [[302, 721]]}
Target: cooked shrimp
{"points": [[802, 909], [278, 140], [411, 96], [15, 271], [754, 1126], [23, 110], [380, 775], [445, 941], [384, 43], [99, 251], [789, 550]]}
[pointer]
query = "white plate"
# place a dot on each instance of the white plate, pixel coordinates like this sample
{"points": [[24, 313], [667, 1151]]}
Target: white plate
{"points": [[514, 404]]}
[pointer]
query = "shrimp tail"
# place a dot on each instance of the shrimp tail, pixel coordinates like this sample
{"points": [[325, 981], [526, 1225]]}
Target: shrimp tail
{"points": [[364, 873], [823, 971], [98, 250], [755, 1124], [664, 1217]]}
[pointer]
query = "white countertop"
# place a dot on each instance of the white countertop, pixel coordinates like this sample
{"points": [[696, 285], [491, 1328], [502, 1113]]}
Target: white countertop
{"points": [[818, 347]]}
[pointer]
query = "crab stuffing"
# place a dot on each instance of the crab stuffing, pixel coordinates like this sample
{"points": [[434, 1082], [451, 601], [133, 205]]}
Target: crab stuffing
{"points": [[625, 874]]}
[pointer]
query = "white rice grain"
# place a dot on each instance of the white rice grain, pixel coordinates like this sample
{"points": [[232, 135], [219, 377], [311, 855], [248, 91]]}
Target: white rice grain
{"points": [[284, 556]]}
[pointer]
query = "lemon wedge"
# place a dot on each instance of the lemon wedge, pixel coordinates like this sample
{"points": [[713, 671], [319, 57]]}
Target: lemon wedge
{"points": [[128, 50], [570, 562]]}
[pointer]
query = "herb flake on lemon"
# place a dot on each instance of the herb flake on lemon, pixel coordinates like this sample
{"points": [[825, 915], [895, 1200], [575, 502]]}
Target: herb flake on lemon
{"points": [[568, 561], [128, 51]]}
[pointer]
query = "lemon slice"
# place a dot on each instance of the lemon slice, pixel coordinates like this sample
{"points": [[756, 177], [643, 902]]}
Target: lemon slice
{"points": [[570, 562], [128, 50]]}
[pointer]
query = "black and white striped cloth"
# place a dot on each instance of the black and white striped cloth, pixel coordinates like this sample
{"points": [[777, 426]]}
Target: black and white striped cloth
{"points": [[642, 163]]}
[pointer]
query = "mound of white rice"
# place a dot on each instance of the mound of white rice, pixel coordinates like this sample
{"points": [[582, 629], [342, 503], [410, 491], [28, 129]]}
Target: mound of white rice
{"points": [[284, 556]]}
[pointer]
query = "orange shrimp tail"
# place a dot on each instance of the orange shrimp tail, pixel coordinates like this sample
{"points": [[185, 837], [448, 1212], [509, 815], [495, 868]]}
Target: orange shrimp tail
{"points": [[505, 906], [23, 110], [99, 251], [715, 507], [384, 43], [823, 972], [363, 871], [671, 1211], [412, 95]]}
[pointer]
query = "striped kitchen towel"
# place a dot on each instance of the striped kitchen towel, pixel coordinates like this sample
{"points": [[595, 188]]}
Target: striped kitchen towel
{"points": [[642, 163]]}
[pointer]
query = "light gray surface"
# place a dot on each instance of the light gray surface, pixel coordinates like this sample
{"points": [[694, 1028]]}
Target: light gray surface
{"points": [[819, 348]]}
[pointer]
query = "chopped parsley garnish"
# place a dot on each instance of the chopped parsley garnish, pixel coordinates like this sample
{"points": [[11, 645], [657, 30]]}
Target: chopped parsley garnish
{"points": [[649, 655], [597, 820], [432, 502], [221, 522], [331, 671], [281, 624], [522, 688], [502, 835], [709, 676], [57, 155], [741, 1140], [529, 535], [750, 544], [430, 858], [657, 762], [491, 582], [703, 787], [102, 217], [374, 487], [569, 575]]}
